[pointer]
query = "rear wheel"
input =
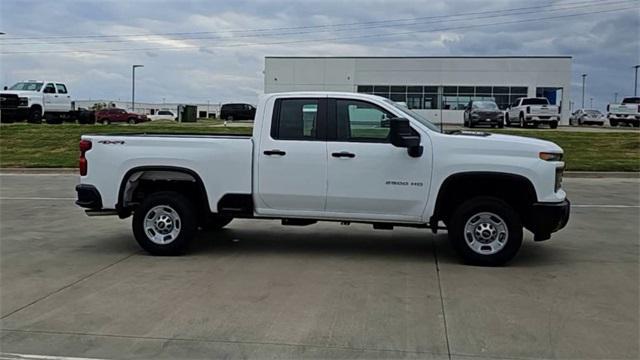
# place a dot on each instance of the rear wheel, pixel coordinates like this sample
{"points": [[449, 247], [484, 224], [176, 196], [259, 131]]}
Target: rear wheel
{"points": [[106, 121], [522, 123], [132, 121], [165, 223], [486, 231], [230, 118], [613, 123], [500, 124], [553, 124]]}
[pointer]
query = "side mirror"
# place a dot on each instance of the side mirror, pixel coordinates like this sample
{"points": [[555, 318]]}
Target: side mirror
{"points": [[402, 135], [6, 88]]}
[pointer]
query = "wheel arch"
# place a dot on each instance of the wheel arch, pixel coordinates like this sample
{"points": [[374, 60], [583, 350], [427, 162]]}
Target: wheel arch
{"points": [[516, 190], [162, 176]]}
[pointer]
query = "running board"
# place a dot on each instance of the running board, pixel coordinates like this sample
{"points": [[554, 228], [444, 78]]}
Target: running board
{"points": [[101, 212]]}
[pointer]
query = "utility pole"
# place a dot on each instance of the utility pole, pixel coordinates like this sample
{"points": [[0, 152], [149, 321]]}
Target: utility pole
{"points": [[635, 84], [615, 97], [584, 76], [133, 86], [590, 103]]}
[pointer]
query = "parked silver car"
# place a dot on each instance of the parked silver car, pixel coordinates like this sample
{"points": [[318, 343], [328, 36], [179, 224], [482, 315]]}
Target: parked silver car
{"points": [[586, 117]]}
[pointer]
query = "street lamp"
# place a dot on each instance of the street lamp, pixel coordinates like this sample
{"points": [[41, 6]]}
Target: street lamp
{"points": [[584, 76], [133, 86], [635, 84], [590, 103], [615, 97]]}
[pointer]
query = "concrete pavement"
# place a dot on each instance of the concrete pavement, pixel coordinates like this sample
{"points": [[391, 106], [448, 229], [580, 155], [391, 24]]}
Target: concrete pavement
{"points": [[77, 286]]}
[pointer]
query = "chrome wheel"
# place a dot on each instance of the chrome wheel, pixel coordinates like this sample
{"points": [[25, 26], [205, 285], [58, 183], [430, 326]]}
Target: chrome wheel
{"points": [[162, 224], [486, 233]]}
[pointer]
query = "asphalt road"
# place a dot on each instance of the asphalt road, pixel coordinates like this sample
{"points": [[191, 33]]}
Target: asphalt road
{"points": [[77, 286]]}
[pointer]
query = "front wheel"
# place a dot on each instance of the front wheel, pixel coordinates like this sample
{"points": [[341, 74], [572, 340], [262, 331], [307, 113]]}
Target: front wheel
{"points": [[165, 223], [486, 231], [35, 116], [613, 123], [553, 124]]}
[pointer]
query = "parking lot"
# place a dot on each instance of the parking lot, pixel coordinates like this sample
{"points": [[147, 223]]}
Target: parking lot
{"points": [[77, 286]]}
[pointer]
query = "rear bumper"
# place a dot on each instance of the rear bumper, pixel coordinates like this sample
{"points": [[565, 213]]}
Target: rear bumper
{"points": [[547, 218], [542, 118], [88, 197]]}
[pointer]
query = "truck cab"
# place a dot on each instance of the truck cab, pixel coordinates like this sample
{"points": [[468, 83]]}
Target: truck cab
{"points": [[325, 156], [35, 99]]}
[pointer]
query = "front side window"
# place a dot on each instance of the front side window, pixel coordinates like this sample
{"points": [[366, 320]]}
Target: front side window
{"points": [[361, 121], [61, 88], [49, 89], [295, 119]]}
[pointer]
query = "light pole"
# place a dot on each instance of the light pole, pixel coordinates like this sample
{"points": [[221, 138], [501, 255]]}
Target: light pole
{"points": [[635, 84], [615, 97], [584, 76], [590, 103], [133, 86]]}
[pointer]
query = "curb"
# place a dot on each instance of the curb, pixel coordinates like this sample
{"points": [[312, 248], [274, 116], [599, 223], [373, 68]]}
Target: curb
{"points": [[567, 174]]}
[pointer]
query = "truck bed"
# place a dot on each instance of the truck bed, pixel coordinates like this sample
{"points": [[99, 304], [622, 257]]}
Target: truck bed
{"points": [[224, 160]]}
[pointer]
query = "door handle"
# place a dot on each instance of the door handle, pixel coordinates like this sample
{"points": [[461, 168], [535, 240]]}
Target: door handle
{"points": [[274, 152], [55, 95], [343, 154]]}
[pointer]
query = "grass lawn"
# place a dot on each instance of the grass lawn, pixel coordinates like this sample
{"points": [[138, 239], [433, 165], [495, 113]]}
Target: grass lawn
{"points": [[25, 145]]}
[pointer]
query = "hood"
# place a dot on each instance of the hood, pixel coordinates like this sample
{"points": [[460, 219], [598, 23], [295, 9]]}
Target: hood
{"points": [[21, 93], [501, 144]]}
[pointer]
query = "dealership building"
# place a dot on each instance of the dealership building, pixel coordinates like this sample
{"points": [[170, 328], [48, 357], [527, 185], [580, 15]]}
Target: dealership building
{"points": [[439, 87]]}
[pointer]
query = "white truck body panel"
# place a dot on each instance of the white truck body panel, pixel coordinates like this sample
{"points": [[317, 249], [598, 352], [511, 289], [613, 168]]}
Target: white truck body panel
{"points": [[56, 102]]}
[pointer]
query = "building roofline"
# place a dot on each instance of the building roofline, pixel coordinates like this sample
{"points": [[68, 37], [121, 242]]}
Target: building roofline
{"points": [[427, 57]]}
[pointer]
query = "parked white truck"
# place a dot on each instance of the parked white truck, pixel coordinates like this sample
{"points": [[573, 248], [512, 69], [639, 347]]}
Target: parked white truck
{"points": [[35, 99], [628, 112], [325, 156], [526, 112]]}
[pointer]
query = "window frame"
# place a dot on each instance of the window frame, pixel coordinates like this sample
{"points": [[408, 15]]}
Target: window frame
{"points": [[332, 133], [321, 119], [44, 88], [59, 90]]}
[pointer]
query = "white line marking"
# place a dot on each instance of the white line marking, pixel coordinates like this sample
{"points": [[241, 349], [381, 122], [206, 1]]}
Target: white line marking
{"points": [[606, 206], [39, 357], [37, 198]]}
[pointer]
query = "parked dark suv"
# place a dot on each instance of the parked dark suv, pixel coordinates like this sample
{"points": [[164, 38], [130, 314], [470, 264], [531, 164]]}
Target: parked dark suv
{"points": [[483, 112], [237, 112]]}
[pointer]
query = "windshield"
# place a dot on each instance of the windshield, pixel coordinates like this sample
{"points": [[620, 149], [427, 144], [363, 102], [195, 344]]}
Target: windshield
{"points": [[27, 86], [414, 115], [485, 105], [536, 101]]}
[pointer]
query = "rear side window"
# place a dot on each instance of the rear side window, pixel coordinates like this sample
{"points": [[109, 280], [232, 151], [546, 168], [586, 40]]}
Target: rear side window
{"points": [[61, 88], [633, 100], [296, 119]]}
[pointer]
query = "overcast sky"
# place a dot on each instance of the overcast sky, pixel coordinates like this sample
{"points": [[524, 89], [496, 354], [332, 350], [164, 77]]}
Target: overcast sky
{"points": [[226, 62]]}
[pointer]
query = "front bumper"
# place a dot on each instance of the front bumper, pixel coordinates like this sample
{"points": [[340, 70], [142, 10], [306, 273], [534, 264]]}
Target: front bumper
{"points": [[88, 197], [547, 218]]}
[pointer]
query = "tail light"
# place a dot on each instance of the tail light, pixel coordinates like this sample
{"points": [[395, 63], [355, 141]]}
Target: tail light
{"points": [[85, 145], [607, 107]]}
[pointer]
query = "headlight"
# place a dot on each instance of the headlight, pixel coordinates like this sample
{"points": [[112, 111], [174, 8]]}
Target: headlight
{"points": [[550, 156], [23, 101], [559, 173]]}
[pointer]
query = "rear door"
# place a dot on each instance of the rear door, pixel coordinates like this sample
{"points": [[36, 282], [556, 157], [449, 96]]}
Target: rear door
{"points": [[292, 158], [368, 177], [63, 99]]}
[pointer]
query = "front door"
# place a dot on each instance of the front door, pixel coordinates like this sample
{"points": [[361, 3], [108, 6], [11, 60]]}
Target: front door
{"points": [[368, 176], [50, 98], [292, 159]]}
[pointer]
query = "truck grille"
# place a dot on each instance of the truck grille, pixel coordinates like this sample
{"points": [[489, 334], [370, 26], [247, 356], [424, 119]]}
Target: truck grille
{"points": [[8, 101]]}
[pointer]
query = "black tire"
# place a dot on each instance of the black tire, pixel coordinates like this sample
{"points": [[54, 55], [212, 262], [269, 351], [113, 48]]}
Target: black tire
{"points": [[131, 121], [636, 124], [52, 119], [509, 219], [214, 223], [500, 125], [35, 115], [230, 118], [522, 123], [613, 123], [178, 204], [106, 122], [580, 122], [553, 124]]}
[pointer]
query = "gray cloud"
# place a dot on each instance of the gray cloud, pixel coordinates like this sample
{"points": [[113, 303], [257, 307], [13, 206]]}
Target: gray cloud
{"points": [[605, 46]]}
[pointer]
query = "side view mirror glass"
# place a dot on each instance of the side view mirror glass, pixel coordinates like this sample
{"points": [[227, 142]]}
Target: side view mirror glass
{"points": [[402, 135]]}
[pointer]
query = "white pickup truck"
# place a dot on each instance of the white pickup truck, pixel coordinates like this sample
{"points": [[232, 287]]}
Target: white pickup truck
{"points": [[628, 112], [325, 156], [35, 99], [527, 112]]}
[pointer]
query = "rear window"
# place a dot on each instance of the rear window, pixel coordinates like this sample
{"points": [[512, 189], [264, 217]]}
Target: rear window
{"points": [[535, 102], [633, 100], [165, 113]]}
